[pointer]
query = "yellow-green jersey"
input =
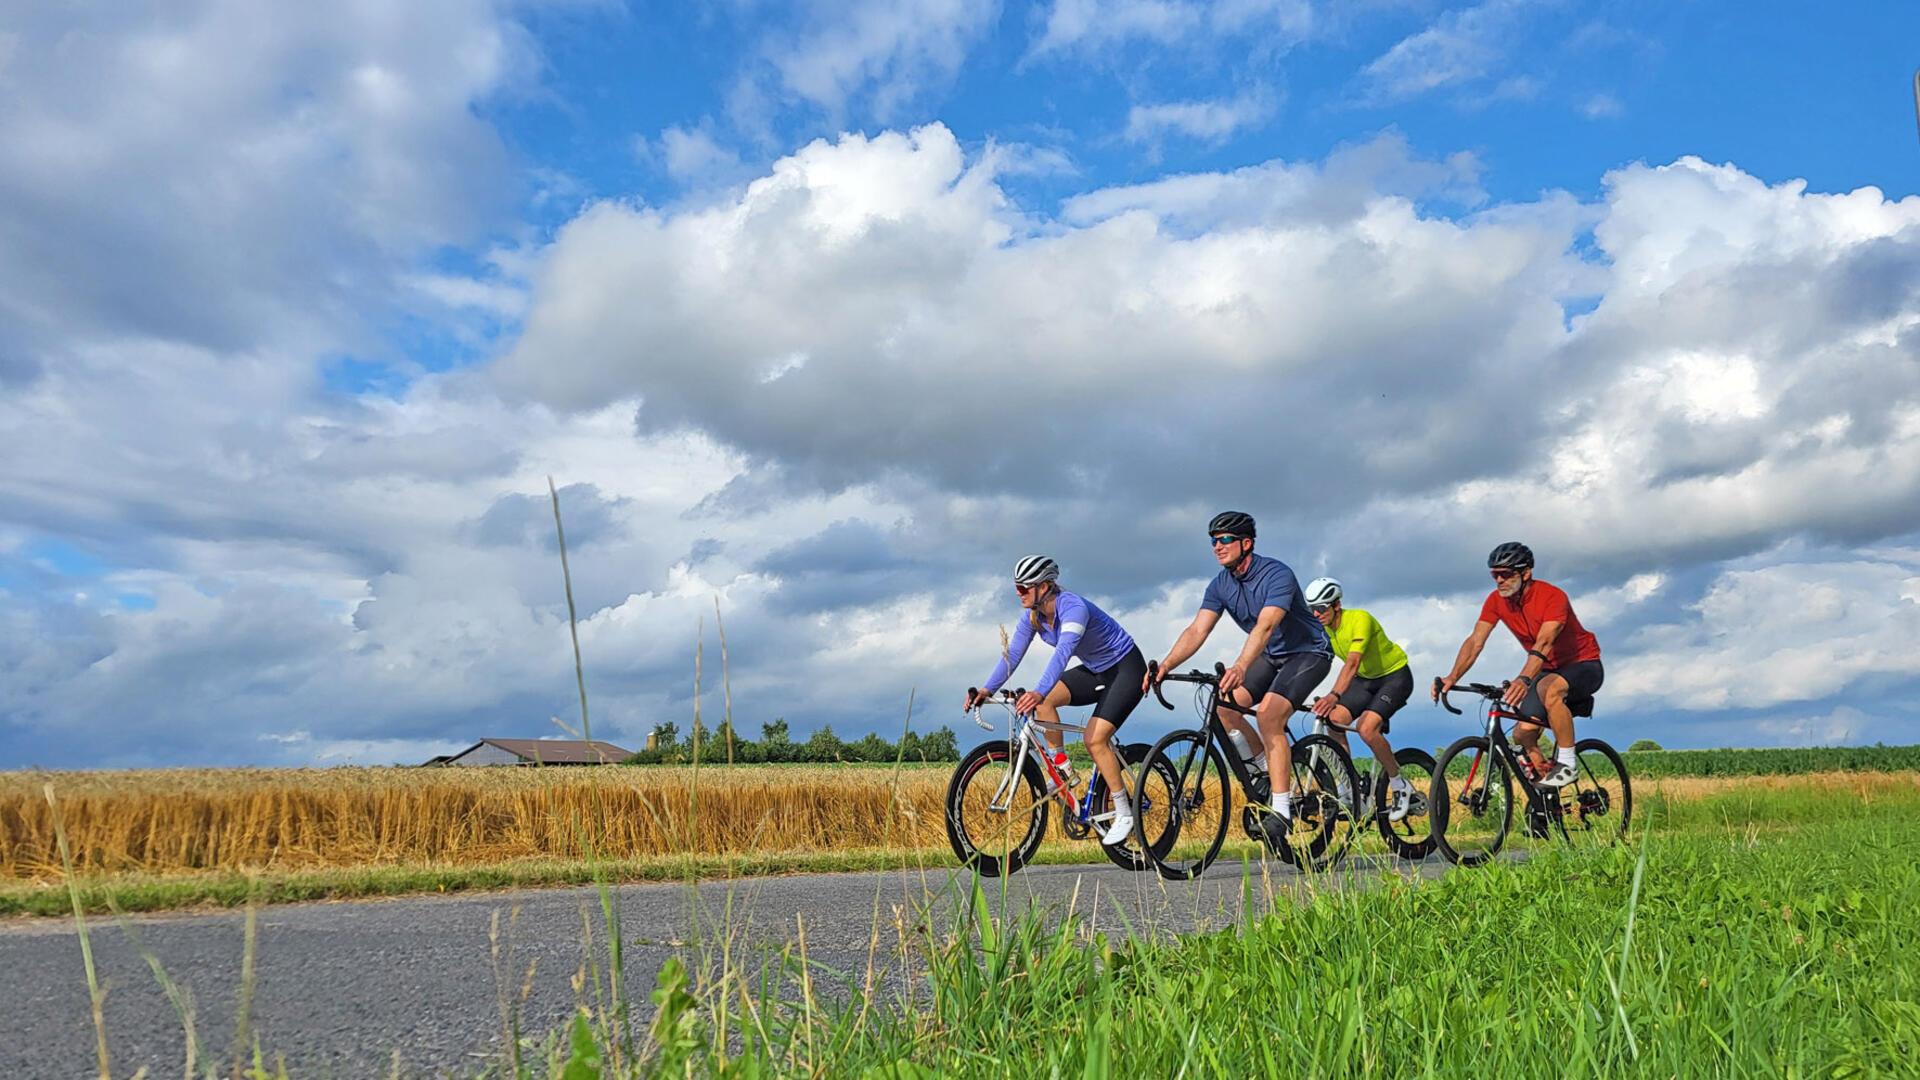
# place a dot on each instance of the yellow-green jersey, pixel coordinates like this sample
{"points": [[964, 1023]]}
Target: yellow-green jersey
{"points": [[1359, 632]]}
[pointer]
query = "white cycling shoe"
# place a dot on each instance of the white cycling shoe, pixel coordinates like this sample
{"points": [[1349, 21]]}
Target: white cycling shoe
{"points": [[1119, 832], [1399, 801]]}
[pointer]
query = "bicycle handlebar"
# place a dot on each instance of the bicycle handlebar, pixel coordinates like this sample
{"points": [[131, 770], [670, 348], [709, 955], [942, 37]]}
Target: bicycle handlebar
{"points": [[1491, 693]]}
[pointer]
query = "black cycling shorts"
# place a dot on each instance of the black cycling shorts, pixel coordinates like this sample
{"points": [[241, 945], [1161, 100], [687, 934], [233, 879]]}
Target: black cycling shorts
{"points": [[1293, 678], [1583, 680], [1384, 695], [1114, 692]]}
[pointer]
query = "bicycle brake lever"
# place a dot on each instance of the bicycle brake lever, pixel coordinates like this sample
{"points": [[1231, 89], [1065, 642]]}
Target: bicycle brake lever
{"points": [[1153, 668]]}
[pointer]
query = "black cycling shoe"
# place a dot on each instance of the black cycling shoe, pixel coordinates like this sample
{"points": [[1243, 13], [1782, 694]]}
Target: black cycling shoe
{"points": [[1274, 829]]}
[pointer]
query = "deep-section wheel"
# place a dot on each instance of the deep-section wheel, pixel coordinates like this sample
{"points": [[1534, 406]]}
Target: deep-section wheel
{"points": [[1471, 801], [996, 810], [1594, 810], [1411, 837], [1129, 855], [1184, 796]]}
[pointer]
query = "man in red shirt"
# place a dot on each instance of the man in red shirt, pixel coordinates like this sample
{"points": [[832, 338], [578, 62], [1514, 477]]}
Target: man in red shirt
{"points": [[1562, 671]]}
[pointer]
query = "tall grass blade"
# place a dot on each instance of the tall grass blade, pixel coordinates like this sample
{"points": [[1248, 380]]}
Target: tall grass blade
{"points": [[96, 993]]}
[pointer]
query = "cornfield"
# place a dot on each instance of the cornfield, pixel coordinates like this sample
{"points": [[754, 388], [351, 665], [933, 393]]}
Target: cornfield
{"points": [[189, 820]]}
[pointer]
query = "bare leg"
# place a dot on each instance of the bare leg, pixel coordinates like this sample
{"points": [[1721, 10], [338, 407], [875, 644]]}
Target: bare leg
{"points": [[1236, 722], [1049, 713], [1553, 694], [1272, 716], [1100, 745], [1369, 728]]}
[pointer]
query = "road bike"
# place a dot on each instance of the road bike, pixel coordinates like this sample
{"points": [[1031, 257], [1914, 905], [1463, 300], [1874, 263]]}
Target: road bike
{"points": [[1003, 790], [1470, 822], [1185, 799]]}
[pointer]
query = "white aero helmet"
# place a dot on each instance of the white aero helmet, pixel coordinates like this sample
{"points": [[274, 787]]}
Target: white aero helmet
{"points": [[1035, 569], [1322, 592]]}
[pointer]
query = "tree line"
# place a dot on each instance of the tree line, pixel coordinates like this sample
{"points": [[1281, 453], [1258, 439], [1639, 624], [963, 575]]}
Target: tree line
{"points": [[717, 746]]}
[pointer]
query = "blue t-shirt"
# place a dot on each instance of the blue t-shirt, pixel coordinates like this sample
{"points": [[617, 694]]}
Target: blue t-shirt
{"points": [[1076, 629], [1269, 583]]}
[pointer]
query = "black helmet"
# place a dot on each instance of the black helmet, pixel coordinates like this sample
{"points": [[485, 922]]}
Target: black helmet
{"points": [[1512, 555], [1231, 523]]}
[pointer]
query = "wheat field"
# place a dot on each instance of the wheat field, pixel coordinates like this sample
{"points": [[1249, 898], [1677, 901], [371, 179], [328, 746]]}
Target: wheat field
{"points": [[172, 821], [278, 820]]}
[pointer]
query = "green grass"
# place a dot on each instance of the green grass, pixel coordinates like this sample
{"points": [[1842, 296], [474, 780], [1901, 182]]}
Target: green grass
{"points": [[1707, 952]]}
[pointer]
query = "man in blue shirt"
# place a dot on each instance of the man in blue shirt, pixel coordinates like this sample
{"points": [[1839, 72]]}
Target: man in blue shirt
{"points": [[1286, 655]]}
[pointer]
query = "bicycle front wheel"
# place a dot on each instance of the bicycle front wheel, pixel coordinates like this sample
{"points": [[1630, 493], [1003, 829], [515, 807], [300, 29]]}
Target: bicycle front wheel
{"points": [[1471, 802], [996, 810], [1594, 810], [1326, 802], [1183, 798]]}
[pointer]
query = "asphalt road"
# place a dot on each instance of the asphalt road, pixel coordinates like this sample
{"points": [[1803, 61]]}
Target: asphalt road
{"points": [[341, 988]]}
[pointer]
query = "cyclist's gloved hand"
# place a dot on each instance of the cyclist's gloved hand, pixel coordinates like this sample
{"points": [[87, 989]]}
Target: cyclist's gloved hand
{"points": [[974, 697]]}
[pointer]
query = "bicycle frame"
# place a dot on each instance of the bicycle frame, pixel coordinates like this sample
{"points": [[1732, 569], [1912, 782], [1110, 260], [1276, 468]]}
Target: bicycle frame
{"points": [[1217, 729], [1025, 739], [1544, 801]]}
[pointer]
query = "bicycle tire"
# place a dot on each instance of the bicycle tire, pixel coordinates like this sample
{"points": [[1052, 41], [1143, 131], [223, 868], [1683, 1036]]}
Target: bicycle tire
{"points": [[1410, 838], [1129, 854], [1188, 795], [1600, 795], [1491, 781], [1324, 822], [967, 800]]}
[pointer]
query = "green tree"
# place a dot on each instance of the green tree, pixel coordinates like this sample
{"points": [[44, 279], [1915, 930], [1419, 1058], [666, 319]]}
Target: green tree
{"points": [[824, 746], [870, 747], [940, 745], [774, 741], [1645, 744]]}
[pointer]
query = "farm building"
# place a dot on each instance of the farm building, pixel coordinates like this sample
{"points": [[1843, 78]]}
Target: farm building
{"points": [[535, 752]]}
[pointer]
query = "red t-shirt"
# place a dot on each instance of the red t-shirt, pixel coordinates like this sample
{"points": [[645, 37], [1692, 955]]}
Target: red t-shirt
{"points": [[1541, 603]]}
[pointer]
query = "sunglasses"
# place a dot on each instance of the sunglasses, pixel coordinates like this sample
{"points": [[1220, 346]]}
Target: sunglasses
{"points": [[1503, 575], [1023, 589], [1223, 541], [1319, 609]]}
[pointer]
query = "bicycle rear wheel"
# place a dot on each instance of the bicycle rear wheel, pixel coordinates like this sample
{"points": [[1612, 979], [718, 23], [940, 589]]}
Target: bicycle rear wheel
{"points": [[1411, 837], [1129, 854], [1471, 802], [996, 810], [1183, 797], [1594, 810], [1326, 793]]}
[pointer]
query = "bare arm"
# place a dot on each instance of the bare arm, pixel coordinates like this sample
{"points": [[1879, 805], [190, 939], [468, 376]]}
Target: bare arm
{"points": [[1469, 652], [1324, 706], [1542, 648], [1190, 639], [1257, 638]]}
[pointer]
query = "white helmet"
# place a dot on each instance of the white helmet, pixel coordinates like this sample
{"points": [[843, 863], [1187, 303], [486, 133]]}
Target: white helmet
{"points": [[1034, 569], [1322, 592]]}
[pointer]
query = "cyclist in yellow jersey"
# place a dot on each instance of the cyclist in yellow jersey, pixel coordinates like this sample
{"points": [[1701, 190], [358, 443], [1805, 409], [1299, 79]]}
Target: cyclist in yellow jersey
{"points": [[1374, 683]]}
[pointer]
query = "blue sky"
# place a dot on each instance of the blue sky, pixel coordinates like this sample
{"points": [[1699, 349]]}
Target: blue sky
{"points": [[827, 312]]}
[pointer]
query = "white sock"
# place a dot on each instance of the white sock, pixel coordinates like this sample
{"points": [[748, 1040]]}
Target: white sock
{"points": [[1282, 803], [1565, 757], [1122, 806]]}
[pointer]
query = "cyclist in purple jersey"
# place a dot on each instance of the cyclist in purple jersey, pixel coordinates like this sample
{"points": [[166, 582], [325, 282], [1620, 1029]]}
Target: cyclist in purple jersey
{"points": [[1111, 677]]}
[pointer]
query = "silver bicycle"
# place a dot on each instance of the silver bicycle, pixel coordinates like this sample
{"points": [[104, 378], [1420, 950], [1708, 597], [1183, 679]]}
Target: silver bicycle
{"points": [[1003, 790]]}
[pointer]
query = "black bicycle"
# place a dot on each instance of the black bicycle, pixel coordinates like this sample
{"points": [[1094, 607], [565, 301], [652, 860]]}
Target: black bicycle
{"points": [[1184, 799], [1471, 820]]}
